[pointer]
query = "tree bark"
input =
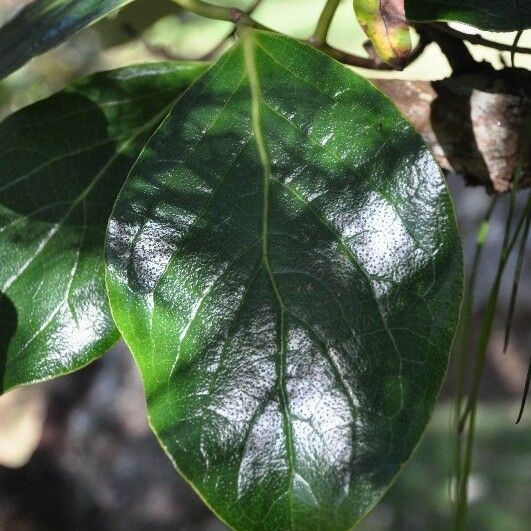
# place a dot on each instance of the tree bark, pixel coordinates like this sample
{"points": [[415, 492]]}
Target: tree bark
{"points": [[476, 125]]}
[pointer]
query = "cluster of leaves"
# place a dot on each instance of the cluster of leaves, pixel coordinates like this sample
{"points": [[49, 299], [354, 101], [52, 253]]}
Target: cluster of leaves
{"points": [[268, 234]]}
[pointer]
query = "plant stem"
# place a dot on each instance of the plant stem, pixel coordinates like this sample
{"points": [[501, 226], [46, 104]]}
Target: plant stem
{"points": [[462, 507], [237, 16], [208, 10], [515, 42], [229, 14], [454, 49], [325, 20], [478, 39], [520, 31]]}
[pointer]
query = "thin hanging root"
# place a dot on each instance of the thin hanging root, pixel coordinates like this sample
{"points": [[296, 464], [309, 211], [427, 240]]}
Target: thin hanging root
{"points": [[509, 240], [507, 249], [516, 282], [464, 336], [526, 392]]}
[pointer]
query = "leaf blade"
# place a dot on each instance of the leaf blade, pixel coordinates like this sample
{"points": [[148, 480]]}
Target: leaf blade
{"points": [[63, 163], [44, 24], [249, 319], [384, 22], [492, 15]]}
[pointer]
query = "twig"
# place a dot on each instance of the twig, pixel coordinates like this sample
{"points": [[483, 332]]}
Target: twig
{"points": [[243, 18], [454, 49], [478, 39], [371, 63], [219, 48], [520, 31], [325, 20], [350, 59], [210, 11]]}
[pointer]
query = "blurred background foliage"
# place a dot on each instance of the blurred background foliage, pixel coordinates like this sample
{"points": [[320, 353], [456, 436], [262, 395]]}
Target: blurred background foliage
{"points": [[77, 454]]}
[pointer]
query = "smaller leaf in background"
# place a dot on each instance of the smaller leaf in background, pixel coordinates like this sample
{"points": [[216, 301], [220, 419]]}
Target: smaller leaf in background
{"points": [[62, 163], [384, 22], [492, 15], [44, 24]]}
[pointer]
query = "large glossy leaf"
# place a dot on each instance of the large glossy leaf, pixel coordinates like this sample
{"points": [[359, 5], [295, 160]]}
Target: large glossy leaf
{"points": [[44, 24], [284, 263], [494, 15], [62, 163]]}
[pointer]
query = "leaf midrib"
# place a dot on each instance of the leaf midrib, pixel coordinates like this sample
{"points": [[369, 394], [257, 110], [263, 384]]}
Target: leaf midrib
{"points": [[315, 212], [254, 84], [249, 44]]}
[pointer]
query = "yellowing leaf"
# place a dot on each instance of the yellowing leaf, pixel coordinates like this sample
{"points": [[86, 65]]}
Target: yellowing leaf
{"points": [[385, 24]]}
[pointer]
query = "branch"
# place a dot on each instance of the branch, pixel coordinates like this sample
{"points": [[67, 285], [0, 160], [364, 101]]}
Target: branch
{"points": [[351, 59], [454, 49], [207, 10], [478, 39], [228, 14], [244, 18]]}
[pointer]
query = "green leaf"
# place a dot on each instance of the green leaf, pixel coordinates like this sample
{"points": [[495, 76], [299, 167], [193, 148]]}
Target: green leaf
{"points": [[284, 263], [62, 163], [493, 15], [385, 24], [44, 24]]}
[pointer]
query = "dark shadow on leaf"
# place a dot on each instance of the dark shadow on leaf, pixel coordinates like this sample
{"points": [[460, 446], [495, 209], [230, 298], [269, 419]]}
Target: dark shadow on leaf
{"points": [[8, 327], [63, 162]]}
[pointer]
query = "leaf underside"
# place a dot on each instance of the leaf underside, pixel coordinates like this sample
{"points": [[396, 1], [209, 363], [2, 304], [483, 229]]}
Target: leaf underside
{"points": [[493, 15], [284, 263], [62, 163], [44, 24]]}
